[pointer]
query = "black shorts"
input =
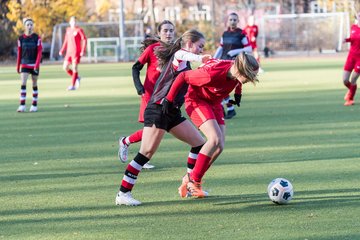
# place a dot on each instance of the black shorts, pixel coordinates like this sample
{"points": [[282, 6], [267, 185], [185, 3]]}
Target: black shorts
{"points": [[31, 71], [153, 115]]}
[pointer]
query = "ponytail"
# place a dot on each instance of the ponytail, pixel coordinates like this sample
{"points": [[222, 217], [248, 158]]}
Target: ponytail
{"points": [[165, 51], [147, 42]]}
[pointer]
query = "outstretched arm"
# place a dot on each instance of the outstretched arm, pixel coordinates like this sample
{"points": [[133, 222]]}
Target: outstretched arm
{"points": [[235, 52], [176, 86], [218, 52], [247, 48]]}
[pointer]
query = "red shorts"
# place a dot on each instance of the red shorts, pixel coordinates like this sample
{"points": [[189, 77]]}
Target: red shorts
{"points": [[143, 104], [200, 111], [71, 58], [352, 63]]}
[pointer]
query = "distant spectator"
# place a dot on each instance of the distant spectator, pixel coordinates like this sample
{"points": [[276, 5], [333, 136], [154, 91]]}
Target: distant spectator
{"points": [[148, 33]]}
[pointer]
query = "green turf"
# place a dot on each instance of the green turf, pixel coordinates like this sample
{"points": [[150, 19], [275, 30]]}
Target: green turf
{"points": [[59, 171]]}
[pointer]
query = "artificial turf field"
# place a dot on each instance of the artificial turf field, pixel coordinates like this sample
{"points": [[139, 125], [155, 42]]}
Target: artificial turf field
{"points": [[59, 171]]}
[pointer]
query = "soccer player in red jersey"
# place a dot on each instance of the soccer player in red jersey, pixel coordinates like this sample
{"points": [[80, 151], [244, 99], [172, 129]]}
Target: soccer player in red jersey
{"points": [[352, 64], [28, 62], [166, 32], [74, 45], [207, 87], [173, 59], [252, 32], [233, 42]]}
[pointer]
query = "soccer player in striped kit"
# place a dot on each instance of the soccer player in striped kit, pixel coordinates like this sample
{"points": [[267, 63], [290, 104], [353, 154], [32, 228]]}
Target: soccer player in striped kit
{"points": [[166, 32], [75, 45], [28, 63], [233, 42], [352, 64], [208, 85], [173, 59]]}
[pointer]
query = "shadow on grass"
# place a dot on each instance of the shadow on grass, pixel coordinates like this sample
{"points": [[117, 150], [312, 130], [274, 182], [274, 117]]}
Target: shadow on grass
{"points": [[43, 176], [252, 203]]}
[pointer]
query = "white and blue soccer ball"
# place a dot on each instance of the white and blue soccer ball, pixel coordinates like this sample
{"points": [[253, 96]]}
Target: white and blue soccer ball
{"points": [[280, 191]]}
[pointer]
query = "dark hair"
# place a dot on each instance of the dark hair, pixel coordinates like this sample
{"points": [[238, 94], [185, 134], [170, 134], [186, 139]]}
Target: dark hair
{"points": [[151, 40], [27, 19], [147, 42], [165, 51], [162, 23], [234, 14]]}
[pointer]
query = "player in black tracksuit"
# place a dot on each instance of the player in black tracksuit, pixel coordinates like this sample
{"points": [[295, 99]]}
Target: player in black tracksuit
{"points": [[233, 42]]}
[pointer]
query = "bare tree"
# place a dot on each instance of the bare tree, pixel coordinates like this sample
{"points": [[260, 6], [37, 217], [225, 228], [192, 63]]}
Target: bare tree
{"points": [[151, 5]]}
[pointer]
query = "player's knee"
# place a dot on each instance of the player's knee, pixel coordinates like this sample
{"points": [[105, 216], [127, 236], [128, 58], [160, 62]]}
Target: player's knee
{"points": [[216, 143], [65, 67], [147, 152]]}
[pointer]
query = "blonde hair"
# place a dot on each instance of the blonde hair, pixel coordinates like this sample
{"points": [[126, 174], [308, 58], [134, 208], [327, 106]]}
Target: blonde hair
{"points": [[247, 66]]}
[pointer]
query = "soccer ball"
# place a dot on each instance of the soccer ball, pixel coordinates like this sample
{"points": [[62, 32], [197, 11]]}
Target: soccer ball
{"points": [[280, 191]]}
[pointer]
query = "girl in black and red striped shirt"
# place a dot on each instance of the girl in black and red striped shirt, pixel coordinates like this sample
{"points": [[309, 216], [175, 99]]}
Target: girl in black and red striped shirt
{"points": [[28, 63]]}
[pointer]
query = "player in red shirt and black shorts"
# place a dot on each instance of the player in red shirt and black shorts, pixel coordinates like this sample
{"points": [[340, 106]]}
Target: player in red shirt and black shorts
{"points": [[28, 63], [166, 33], [74, 45], [208, 85], [352, 64]]}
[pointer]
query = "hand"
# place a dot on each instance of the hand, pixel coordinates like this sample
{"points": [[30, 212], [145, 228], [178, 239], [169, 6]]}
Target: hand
{"points": [[18, 70], [205, 58], [36, 70], [81, 54], [237, 100], [166, 105], [60, 53], [141, 91]]}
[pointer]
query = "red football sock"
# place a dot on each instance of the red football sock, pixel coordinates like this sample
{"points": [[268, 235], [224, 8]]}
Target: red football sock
{"points": [[136, 136], [69, 72], [74, 77], [347, 84], [201, 165], [352, 91]]}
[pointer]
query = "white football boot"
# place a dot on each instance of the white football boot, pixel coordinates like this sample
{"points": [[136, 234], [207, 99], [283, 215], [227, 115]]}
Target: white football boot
{"points": [[148, 166], [21, 108], [126, 199], [123, 150], [71, 88], [33, 108], [77, 82]]}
